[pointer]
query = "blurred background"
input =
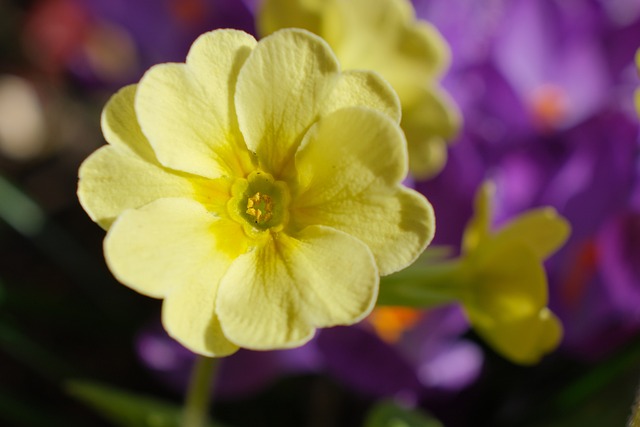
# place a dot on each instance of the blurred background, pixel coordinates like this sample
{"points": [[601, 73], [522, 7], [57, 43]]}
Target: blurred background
{"points": [[545, 88]]}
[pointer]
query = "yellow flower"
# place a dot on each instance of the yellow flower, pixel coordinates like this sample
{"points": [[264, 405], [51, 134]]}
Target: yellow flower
{"points": [[506, 293], [499, 279], [637, 96], [384, 35], [256, 189]]}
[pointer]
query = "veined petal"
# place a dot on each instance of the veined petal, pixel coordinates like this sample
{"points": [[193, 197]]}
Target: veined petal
{"points": [[175, 249], [120, 125], [190, 125], [363, 88], [114, 179], [542, 230], [188, 315], [280, 91], [349, 167], [276, 14], [276, 295]]}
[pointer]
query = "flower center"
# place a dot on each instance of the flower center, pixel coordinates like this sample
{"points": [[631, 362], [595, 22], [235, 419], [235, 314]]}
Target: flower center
{"points": [[260, 206], [259, 203]]}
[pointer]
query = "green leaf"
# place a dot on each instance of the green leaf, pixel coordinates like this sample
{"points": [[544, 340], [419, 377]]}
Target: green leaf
{"points": [[126, 409], [389, 414]]}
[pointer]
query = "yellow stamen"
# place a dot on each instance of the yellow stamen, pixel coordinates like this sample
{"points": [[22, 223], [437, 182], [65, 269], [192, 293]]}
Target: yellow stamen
{"points": [[260, 206]]}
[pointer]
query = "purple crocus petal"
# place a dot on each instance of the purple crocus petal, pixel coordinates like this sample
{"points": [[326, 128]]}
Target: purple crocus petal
{"points": [[602, 157], [240, 374], [457, 19], [443, 361], [451, 192], [619, 248], [539, 48], [247, 372], [162, 31], [364, 362], [167, 360]]}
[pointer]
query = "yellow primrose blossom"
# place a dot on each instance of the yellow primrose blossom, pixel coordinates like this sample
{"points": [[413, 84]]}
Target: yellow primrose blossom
{"points": [[499, 279], [385, 36], [507, 303], [255, 188]]}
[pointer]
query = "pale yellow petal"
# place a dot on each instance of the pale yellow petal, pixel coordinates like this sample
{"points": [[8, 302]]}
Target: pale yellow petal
{"points": [[175, 249], [366, 89], [180, 109], [276, 295], [274, 15], [384, 36], [506, 283], [428, 124], [280, 91], [188, 315], [114, 179], [542, 230], [120, 125], [427, 156], [526, 340], [479, 225], [350, 166]]}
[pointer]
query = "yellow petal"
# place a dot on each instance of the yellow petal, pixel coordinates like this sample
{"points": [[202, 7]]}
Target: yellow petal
{"points": [[479, 226], [506, 290], [175, 249], [350, 166], [188, 315], [280, 91], [526, 340], [276, 295], [428, 123], [384, 36], [277, 14], [637, 94], [114, 179], [366, 89], [511, 281], [120, 125], [542, 230], [190, 125]]}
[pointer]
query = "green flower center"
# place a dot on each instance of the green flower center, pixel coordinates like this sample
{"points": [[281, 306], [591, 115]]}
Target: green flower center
{"points": [[259, 202]]}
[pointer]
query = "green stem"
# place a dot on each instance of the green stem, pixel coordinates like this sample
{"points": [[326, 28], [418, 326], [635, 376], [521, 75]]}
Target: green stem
{"points": [[197, 402], [423, 285]]}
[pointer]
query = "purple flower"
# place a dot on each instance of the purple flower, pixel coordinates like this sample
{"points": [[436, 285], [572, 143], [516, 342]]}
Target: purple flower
{"points": [[429, 359], [548, 113], [112, 42]]}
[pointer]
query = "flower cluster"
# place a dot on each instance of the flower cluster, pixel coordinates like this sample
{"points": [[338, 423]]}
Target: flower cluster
{"points": [[256, 189], [499, 279], [386, 37]]}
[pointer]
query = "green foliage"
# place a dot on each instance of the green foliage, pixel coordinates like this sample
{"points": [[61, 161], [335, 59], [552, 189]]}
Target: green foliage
{"points": [[126, 409], [389, 414]]}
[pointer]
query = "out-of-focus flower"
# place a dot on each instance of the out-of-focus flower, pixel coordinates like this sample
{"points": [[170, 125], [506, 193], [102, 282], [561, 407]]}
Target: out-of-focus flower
{"points": [[505, 294], [384, 35], [112, 42], [257, 189], [22, 121], [637, 97], [427, 359], [499, 280], [551, 149]]}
